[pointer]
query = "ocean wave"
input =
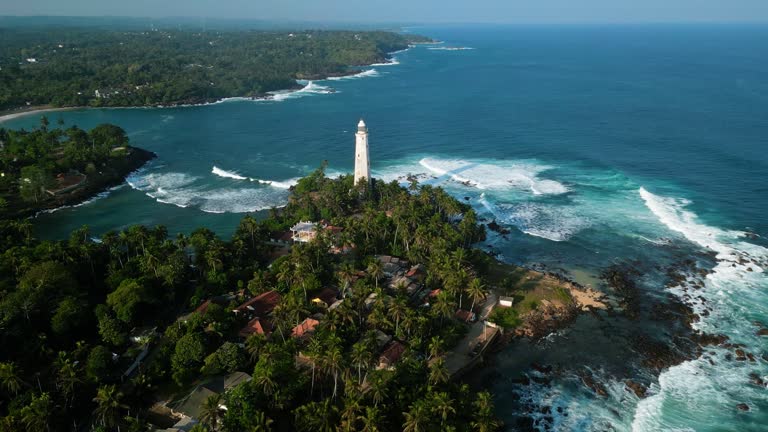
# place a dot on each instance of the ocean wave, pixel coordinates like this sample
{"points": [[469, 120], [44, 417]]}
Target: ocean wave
{"points": [[364, 74], [311, 88], [188, 191], [227, 174], [549, 221], [705, 391], [285, 184], [444, 48], [392, 62], [495, 176]]}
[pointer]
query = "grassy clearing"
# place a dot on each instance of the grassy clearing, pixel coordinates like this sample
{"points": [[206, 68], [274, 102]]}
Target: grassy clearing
{"points": [[529, 288]]}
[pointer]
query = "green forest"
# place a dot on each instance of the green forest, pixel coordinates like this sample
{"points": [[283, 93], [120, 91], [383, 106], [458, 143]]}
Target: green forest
{"points": [[91, 67], [51, 166], [75, 315]]}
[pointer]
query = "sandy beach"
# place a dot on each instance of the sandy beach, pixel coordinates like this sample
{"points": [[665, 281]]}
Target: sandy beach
{"points": [[10, 115]]}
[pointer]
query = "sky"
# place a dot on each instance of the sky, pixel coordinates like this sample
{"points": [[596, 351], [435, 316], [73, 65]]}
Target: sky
{"points": [[410, 11]]}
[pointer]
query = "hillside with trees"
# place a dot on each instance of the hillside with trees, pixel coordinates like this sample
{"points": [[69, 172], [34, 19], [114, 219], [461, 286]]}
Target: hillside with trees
{"points": [[102, 68]]}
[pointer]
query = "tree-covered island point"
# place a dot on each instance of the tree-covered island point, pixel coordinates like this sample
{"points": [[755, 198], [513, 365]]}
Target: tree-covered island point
{"points": [[48, 168], [353, 308], [88, 67]]}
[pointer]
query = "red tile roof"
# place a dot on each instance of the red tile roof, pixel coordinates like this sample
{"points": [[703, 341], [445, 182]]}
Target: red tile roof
{"points": [[464, 315], [203, 307], [306, 327], [393, 353], [256, 325], [262, 304]]}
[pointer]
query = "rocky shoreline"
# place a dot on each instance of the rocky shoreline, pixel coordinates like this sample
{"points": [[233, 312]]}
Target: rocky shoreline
{"points": [[652, 352], [109, 176]]}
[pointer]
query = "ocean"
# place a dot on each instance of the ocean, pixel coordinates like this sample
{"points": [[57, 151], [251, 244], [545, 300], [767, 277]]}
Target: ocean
{"points": [[594, 145]]}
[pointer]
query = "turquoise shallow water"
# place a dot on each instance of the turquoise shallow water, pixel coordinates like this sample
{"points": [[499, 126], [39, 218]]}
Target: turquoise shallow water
{"points": [[594, 145]]}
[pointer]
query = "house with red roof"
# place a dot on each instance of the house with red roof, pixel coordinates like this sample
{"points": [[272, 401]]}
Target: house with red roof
{"points": [[306, 328], [261, 305]]}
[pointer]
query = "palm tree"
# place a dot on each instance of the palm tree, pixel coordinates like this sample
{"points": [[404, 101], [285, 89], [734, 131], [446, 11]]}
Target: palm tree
{"points": [[475, 291], [261, 423], [438, 373], [331, 360], [443, 404], [483, 419], [350, 413], [417, 419], [108, 405], [435, 347], [444, 306], [314, 353], [316, 417], [68, 379], [264, 378], [211, 412], [35, 415], [397, 311], [376, 270], [379, 388], [254, 344], [347, 274], [371, 420], [10, 378], [361, 358]]}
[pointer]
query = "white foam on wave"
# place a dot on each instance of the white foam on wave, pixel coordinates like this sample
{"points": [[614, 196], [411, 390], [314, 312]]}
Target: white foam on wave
{"points": [[285, 184], [495, 176], [392, 62], [698, 393], [364, 74], [444, 48], [548, 221], [227, 174], [310, 88], [183, 190], [97, 197]]}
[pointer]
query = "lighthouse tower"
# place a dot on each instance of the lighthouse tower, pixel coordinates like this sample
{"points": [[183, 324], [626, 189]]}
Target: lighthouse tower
{"points": [[362, 163]]}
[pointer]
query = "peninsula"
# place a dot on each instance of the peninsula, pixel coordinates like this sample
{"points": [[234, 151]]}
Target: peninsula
{"points": [[88, 67], [49, 168]]}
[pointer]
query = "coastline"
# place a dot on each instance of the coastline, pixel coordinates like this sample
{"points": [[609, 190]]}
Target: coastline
{"points": [[93, 186], [13, 114]]}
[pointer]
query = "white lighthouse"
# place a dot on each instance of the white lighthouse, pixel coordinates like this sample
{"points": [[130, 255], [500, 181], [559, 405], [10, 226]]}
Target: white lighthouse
{"points": [[362, 163]]}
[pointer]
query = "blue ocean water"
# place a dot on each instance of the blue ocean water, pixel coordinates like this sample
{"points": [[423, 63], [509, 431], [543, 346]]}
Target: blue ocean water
{"points": [[594, 145]]}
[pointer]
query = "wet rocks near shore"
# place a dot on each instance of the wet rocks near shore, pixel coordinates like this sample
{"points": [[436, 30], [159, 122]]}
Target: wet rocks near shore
{"points": [[494, 226], [638, 389]]}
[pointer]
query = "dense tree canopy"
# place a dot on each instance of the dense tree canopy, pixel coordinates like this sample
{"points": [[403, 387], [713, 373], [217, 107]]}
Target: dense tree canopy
{"points": [[68, 308], [90, 67]]}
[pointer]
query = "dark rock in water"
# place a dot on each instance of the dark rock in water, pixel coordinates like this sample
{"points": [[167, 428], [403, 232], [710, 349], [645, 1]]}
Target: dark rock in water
{"points": [[740, 355], [637, 388], [707, 339], [756, 380], [595, 386], [743, 407], [493, 226], [467, 198], [545, 369]]}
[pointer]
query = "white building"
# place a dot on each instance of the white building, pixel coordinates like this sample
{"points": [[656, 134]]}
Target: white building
{"points": [[304, 232], [362, 162]]}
